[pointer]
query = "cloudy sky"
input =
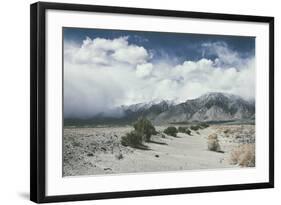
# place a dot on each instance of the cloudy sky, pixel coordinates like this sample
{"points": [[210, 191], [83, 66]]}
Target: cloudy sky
{"points": [[104, 69]]}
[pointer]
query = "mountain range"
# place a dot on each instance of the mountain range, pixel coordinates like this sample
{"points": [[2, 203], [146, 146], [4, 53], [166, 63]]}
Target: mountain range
{"points": [[213, 106]]}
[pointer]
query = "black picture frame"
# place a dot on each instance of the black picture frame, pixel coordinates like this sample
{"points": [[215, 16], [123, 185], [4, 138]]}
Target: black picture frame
{"points": [[38, 101]]}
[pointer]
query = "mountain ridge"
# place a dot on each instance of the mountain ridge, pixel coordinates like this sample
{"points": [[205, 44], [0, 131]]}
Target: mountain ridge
{"points": [[212, 106]]}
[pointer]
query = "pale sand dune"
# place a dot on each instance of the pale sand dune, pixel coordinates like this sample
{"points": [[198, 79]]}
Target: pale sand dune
{"points": [[92, 151]]}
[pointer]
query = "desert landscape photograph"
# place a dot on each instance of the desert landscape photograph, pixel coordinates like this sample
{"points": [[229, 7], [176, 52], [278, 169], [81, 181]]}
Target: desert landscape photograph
{"points": [[143, 101]]}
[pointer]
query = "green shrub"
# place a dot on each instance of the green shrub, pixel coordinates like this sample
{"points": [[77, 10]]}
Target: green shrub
{"points": [[188, 131], [203, 125], [132, 139], [172, 131], [195, 127], [145, 128], [143, 131], [184, 130]]}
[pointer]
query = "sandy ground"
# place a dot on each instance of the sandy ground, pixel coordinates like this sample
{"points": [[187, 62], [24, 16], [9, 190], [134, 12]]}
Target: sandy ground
{"points": [[92, 151]]}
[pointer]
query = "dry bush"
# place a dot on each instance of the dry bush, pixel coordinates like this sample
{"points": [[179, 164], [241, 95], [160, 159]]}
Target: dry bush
{"points": [[213, 143], [243, 155], [213, 137]]}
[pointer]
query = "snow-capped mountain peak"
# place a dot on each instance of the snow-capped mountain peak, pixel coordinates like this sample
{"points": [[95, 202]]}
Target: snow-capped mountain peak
{"points": [[145, 106], [213, 106]]}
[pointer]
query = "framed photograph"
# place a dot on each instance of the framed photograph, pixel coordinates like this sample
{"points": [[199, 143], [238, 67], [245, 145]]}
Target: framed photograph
{"points": [[129, 102]]}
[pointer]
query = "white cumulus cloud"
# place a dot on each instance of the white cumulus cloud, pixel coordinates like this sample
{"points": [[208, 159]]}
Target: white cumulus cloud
{"points": [[102, 74], [144, 70]]}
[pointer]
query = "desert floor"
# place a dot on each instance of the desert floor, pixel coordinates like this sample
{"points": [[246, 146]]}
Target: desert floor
{"points": [[98, 151]]}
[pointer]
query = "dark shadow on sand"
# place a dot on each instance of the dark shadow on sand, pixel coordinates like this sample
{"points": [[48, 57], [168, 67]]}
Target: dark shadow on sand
{"points": [[176, 137], [155, 142], [142, 147]]}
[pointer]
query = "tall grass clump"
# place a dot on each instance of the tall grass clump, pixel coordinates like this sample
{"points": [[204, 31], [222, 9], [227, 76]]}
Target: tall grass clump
{"points": [[172, 131], [244, 155]]}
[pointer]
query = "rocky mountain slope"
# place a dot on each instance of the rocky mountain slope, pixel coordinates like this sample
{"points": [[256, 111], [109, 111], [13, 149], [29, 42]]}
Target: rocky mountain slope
{"points": [[209, 107], [212, 106]]}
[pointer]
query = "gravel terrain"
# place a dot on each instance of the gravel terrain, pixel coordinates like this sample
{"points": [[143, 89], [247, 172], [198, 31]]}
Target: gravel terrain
{"points": [[98, 151]]}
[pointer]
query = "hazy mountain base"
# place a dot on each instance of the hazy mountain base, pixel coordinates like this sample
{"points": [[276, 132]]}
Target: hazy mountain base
{"points": [[211, 107], [96, 151]]}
